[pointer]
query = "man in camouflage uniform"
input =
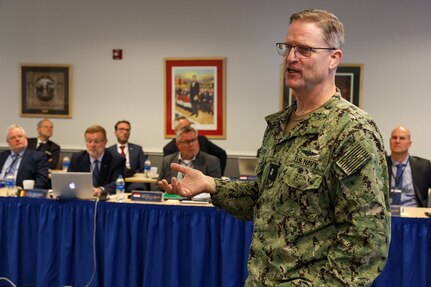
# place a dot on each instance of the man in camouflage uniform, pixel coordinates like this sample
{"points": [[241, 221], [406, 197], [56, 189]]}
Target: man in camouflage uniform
{"points": [[320, 202]]}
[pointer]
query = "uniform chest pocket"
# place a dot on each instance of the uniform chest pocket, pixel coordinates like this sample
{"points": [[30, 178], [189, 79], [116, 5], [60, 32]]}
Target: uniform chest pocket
{"points": [[302, 178]]}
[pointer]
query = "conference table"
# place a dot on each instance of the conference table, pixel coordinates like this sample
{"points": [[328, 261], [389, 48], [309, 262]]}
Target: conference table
{"points": [[47, 242], [141, 178]]}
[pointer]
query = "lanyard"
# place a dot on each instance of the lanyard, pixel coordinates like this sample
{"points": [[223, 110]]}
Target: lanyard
{"points": [[397, 179]]}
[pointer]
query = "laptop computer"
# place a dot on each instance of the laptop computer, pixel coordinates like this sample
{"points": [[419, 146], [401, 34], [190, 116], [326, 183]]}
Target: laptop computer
{"points": [[67, 185]]}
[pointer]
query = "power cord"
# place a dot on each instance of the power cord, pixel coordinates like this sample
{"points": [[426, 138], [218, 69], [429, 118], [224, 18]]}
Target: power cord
{"points": [[8, 280], [94, 250], [94, 244]]}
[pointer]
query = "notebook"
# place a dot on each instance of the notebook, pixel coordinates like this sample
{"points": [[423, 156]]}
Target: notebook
{"points": [[66, 185]]}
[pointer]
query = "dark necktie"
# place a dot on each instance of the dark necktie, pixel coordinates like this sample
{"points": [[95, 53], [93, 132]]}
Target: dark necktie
{"points": [[41, 147], [12, 167], [96, 172], [399, 176], [122, 151]]}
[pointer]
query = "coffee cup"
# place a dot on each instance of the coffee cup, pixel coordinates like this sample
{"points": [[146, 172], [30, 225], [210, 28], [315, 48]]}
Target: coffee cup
{"points": [[153, 172], [28, 184]]}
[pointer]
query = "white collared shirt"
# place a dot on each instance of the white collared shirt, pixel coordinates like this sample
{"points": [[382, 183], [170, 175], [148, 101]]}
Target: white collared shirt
{"points": [[9, 161], [126, 152], [408, 196]]}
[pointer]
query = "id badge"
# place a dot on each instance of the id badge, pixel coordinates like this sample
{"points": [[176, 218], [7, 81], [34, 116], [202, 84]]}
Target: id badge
{"points": [[395, 196]]}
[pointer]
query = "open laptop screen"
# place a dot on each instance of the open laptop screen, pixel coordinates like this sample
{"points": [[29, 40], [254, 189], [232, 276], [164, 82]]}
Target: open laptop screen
{"points": [[72, 185]]}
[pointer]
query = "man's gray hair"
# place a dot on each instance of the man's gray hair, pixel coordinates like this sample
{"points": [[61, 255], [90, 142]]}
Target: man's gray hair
{"points": [[186, 129], [15, 126]]}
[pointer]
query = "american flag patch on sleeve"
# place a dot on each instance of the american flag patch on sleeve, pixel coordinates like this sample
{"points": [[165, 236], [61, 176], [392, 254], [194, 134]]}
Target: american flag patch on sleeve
{"points": [[354, 158]]}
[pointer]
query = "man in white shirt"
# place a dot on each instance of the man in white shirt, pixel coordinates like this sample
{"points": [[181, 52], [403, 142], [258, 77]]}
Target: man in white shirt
{"points": [[21, 162], [106, 166], [133, 153], [410, 174]]}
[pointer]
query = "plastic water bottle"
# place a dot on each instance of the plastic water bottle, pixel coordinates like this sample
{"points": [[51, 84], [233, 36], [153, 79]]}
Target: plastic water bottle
{"points": [[147, 168], [66, 163], [120, 188], [10, 185]]}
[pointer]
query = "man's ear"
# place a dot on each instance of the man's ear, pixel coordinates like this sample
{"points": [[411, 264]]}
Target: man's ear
{"points": [[335, 59]]}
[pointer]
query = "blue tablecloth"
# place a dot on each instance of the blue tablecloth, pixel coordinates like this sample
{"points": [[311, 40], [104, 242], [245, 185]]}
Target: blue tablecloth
{"points": [[50, 243], [409, 263]]}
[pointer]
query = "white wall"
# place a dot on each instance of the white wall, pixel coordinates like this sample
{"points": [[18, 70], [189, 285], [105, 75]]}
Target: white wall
{"points": [[391, 38]]}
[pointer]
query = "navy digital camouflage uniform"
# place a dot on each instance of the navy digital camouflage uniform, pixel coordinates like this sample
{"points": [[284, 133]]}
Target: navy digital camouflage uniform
{"points": [[320, 204]]}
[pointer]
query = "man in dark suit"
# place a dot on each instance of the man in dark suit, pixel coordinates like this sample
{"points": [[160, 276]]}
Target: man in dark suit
{"points": [[105, 165], [43, 143], [410, 174], [22, 162], [133, 153], [194, 96], [204, 143], [189, 155]]}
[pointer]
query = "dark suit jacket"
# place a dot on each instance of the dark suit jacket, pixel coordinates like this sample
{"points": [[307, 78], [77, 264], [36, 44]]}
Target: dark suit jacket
{"points": [[51, 149], [34, 165], [111, 167], [206, 163], [421, 175], [194, 91], [137, 156], [205, 145]]}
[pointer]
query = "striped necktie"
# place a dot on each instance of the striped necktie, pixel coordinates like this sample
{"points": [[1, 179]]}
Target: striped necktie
{"points": [[12, 167]]}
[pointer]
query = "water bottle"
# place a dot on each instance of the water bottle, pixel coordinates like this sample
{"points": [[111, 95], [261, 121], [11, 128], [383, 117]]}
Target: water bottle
{"points": [[10, 185], [66, 163], [120, 187], [147, 168]]}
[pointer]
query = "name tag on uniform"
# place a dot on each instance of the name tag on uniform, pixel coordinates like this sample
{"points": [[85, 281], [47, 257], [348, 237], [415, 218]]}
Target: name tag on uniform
{"points": [[273, 170]]}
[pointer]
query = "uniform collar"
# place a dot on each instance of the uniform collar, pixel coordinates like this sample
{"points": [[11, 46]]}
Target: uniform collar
{"points": [[277, 121]]}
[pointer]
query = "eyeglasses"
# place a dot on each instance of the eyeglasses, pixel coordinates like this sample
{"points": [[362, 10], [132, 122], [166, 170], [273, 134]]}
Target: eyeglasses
{"points": [[96, 141], [17, 137], [187, 142], [283, 49], [123, 130]]}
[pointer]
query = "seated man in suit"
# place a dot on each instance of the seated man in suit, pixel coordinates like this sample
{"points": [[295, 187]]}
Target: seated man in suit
{"points": [[189, 155], [410, 174], [21, 162], [205, 144], [133, 153], [43, 143], [106, 166]]}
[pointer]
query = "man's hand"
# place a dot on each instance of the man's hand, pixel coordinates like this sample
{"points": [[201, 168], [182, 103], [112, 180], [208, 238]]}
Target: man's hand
{"points": [[97, 191], [194, 182]]}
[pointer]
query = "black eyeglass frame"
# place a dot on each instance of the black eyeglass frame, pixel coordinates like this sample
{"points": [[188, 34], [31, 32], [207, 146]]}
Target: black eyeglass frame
{"points": [[307, 49], [187, 142]]}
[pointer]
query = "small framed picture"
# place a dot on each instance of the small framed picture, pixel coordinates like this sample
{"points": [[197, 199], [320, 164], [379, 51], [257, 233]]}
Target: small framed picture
{"points": [[46, 91], [195, 89], [348, 79]]}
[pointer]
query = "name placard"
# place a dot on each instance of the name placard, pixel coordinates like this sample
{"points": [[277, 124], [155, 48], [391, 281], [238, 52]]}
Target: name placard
{"points": [[34, 193], [152, 196]]}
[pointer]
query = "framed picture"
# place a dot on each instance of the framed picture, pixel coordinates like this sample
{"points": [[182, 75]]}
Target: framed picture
{"points": [[46, 91], [348, 79], [195, 88]]}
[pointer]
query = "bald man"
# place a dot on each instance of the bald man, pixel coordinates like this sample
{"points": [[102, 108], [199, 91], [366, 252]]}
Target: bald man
{"points": [[410, 174]]}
